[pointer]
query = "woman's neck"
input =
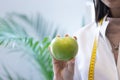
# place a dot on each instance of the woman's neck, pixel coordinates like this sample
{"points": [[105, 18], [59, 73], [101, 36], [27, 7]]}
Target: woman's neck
{"points": [[115, 12]]}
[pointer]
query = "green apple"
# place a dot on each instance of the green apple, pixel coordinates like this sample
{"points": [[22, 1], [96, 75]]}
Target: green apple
{"points": [[64, 48]]}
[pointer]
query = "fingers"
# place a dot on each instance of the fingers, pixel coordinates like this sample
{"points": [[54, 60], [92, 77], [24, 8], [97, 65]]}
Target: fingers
{"points": [[68, 71], [71, 64], [58, 66], [75, 37], [66, 35]]}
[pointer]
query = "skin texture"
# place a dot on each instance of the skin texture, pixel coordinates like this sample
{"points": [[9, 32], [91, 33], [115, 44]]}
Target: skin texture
{"points": [[63, 70], [114, 6], [112, 3]]}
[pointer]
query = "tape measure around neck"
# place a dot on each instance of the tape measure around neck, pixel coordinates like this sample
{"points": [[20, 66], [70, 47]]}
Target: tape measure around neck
{"points": [[93, 56], [92, 61]]}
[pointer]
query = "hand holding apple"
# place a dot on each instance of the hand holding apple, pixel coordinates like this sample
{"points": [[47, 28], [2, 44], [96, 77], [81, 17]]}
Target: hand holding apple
{"points": [[63, 68], [64, 48]]}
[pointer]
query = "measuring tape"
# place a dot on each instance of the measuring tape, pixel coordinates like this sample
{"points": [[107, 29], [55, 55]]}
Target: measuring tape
{"points": [[93, 56]]}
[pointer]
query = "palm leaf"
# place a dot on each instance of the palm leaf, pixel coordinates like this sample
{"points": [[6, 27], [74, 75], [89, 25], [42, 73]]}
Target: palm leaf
{"points": [[37, 24], [38, 50], [32, 35]]}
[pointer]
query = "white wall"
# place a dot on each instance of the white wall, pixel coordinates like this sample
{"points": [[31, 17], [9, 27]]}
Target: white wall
{"points": [[64, 13]]}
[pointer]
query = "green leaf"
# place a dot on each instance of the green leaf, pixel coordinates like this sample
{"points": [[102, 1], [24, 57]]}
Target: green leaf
{"points": [[32, 35]]}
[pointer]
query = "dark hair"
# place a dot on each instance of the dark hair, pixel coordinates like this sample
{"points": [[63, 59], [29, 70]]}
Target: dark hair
{"points": [[100, 10]]}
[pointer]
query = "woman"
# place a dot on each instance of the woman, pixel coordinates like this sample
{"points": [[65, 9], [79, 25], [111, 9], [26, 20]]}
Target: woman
{"points": [[97, 58]]}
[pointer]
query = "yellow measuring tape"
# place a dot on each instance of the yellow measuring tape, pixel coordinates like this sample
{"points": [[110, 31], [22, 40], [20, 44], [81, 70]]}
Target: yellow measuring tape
{"points": [[93, 57]]}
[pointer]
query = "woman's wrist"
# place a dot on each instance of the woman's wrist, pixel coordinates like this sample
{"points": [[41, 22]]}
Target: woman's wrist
{"points": [[58, 77]]}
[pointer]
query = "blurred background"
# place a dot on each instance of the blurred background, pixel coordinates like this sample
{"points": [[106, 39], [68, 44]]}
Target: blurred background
{"points": [[27, 28]]}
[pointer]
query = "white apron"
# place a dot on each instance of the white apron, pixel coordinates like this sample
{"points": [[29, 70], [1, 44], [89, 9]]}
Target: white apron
{"points": [[105, 67]]}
